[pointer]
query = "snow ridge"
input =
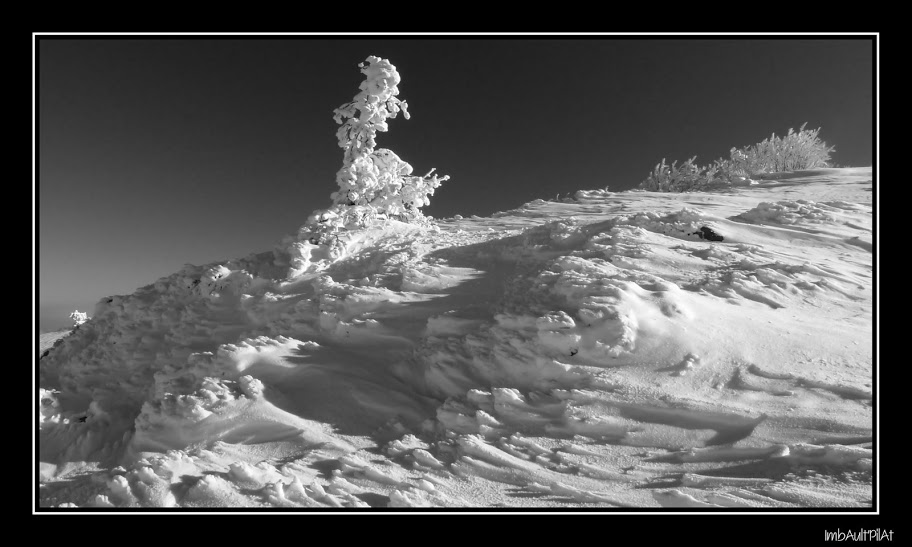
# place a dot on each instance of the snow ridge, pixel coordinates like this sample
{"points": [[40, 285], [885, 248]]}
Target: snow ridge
{"points": [[451, 363]]}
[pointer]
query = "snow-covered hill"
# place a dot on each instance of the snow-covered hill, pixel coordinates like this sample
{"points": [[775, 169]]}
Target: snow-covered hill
{"points": [[602, 351], [46, 340]]}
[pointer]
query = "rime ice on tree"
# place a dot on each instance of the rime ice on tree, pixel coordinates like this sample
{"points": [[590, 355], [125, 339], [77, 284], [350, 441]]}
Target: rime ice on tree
{"points": [[374, 183], [79, 317]]}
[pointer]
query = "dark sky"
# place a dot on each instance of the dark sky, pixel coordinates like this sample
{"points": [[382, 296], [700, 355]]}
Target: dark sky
{"points": [[158, 151]]}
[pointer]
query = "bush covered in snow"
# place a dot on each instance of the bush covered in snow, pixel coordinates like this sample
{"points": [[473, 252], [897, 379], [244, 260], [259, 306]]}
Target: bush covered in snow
{"points": [[79, 317], [794, 152], [374, 183], [665, 178]]}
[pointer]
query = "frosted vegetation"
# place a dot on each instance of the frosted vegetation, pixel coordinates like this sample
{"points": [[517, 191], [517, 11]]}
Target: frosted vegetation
{"points": [[374, 183], [794, 152], [79, 317]]}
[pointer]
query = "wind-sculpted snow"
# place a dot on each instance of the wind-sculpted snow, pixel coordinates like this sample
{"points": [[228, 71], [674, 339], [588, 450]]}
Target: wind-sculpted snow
{"points": [[594, 352]]}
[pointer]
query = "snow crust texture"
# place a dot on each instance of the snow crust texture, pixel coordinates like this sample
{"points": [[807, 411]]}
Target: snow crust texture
{"points": [[594, 352]]}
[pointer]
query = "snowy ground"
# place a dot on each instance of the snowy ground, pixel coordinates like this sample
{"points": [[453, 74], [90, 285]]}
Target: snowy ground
{"points": [[46, 340], [590, 353]]}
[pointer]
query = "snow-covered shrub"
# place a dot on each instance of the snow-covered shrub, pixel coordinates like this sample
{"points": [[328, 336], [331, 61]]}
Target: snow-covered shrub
{"points": [[794, 152], [665, 178], [79, 317], [374, 183], [730, 171]]}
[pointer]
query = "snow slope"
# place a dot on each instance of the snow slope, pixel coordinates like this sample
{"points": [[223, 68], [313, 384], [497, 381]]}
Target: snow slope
{"points": [[46, 340], [595, 352]]}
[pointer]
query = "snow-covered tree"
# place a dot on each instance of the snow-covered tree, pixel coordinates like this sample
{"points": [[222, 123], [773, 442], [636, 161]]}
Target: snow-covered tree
{"points": [[79, 317], [374, 182]]}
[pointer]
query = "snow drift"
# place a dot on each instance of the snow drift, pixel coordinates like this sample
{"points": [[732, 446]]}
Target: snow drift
{"points": [[513, 360]]}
